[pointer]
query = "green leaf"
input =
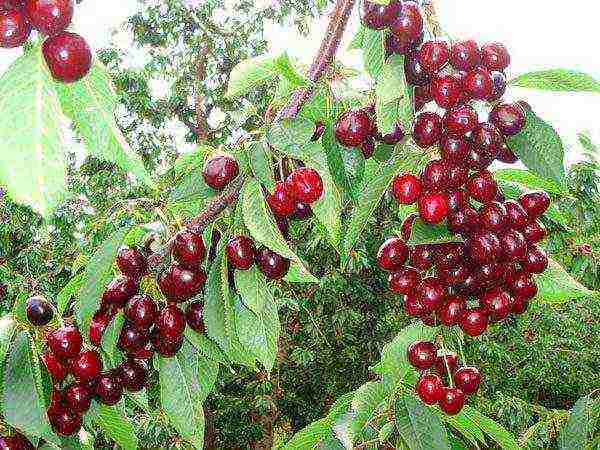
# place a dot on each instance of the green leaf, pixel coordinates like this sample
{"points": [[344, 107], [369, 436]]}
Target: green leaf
{"points": [[529, 180], [373, 51], [357, 40], [425, 233], [189, 183], [580, 427], [558, 80], [310, 436], [111, 335], [394, 97], [116, 427], [424, 426], [206, 346], [499, 435], [540, 148], [390, 80], [97, 274], [33, 165], [365, 404], [465, 426], [8, 326], [337, 168], [261, 163], [252, 286], [286, 69], [68, 292], [177, 400], [259, 333], [250, 73], [90, 103], [556, 285], [200, 372]]}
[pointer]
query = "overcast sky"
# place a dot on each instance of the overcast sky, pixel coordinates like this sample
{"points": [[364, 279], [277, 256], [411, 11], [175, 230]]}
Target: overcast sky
{"points": [[539, 34]]}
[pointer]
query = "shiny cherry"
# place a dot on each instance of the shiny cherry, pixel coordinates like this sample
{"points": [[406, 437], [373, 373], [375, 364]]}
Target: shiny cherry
{"points": [[430, 388], [141, 311], [392, 254], [478, 83], [407, 188], [65, 342], [452, 311], [495, 56], [170, 322], [131, 262], [133, 375], [427, 129], [353, 127], [188, 249], [281, 201], [194, 316], [452, 401], [433, 56], [433, 207], [305, 185], [432, 293], [535, 260], [474, 322], [119, 291], [68, 56], [49, 16], [422, 354], [482, 187], [535, 203], [77, 397], [468, 379], [109, 388], [404, 281], [271, 264], [464, 55], [240, 251], [14, 28], [57, 369], [421, 257], [508, 117], [180, 284], [86, 366], [39, 311], [220, 170], [64, 421]]}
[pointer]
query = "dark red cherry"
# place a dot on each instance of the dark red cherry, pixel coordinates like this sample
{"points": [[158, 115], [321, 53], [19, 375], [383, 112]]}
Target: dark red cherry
{"points": [[188, 249], [146, 352], [408, 25], [467, 379], [500, 84], [56, 368], [454, 276], [77, 398], [445, 363], [421, 257], [64, 421], [449, 254], [422, 354], [494, 217], [446, 90], [484, 246], [457, 200], [180, 284], [353, 127], [167, 347], [534, 232], [508, 117], [141, 311], [514, 245], [39, 311], [415, 75], [68, 56], [506, 155], [460, 120], [482, 187], [49, 16], [240, 252], [133, 375], [86, 366], [517, 216], [119, 291], [478, 83], [464, 221], [497, 303], [132, 263], [452, 311], [434, 55], [535, 203], [454, 148], [170, 322], [220, 170], [430, 388], [271, 264], [280, 201], [109, 388], [479, 160], [433, 207], [395, 136], [435, 176], [378, 17], [303, 211], [452, 401], [427, 129], [414, 307], [487, 139], [16, 442], [132, 339], [495, 56], [489, 274], [65, 342], [432, 293], [305, 185], [407, 225], [535, 260], [474, 322], [458, 174], [98, 325], [14, 28], [194, 316], [464, 55], [392, 254], [520, 306], [407, 188], [404, 281]]}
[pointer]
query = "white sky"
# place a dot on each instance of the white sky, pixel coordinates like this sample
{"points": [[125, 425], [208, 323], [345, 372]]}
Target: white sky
{"points": [[540, 34]]}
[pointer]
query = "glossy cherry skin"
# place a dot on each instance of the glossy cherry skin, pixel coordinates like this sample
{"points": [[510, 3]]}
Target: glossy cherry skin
{"points": [[132, 263], [458, 174], [194, 316], [271, 264], [305, 185], [141, 311], [474, 322], [508, 117], [408, 25], [132, 339], [404, 281], [421, 257], [14, 28], [167, 347], [220, 170], [433, 56], [15, 442], [281, 201], [65, 342], [454, 148], [395, 136], [534, 232], [500, 84], [506, 155], [457, 200], [430, 388], [479, 160], [407, 188], [517, 216], [535, 260], [487, 139], [378, 17], [452, 401], [454, 276], [98, 325], [497, 303], [415, 75], [353, 127], [535, 203], [145, 352], [133, 375], [77, 398], [460, 120], [514, 245], [422, 354], [522, 285], [482, 187], [432, 293], [433, 207], [180, 284], [414, 307], [109, 388], [170, 322], [64, 421], [464, 221], [443, 363], [478, 83], [495, 56], [452, 311], [119, 291], [68, 56], [86, 366], [494, 217], [240, 252], [485, 247], [427, 129], [188, 249], [56, 368], [392, 254], [449, 255], [49, 16], [435, 176], [464, 55], [39, 311], [407, 225]]}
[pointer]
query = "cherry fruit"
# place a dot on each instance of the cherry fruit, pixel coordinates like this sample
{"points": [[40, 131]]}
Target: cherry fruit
{"points": [[508, 117], [392, 254], [220, 170], [170, 322], [404, 281], [64, 421], [422, 354], [281, 201], [430, 388], [49, 16], [427, 129], [240, 252], [378, 17], [65, 342], [535, 203], [433, 207], [271, 264], [141, 311], [133, 375], [189, 249], [452, 401], [180, 284], [475, 322], [495, 56], [353, 127], [119, 291], [109, 388], [77, 398], [14, 28], [132, 263], [305, 185], [56, 368], [68, 56], [86, 366], [467, 379], [464, 55], [39, 311], [407, 188]]}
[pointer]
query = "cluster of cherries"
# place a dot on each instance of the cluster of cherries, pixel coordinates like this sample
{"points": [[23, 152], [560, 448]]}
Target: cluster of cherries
{"points": [[67, 54], [437, 369], [15, 442]]}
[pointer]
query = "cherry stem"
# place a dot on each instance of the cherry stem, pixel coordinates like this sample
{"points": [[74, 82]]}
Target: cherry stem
{"points": [[444, 357]]}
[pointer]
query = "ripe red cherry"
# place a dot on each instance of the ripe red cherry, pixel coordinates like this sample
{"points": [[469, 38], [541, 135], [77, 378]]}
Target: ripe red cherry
{"points": [[457, 173], [77, 398], [15, 442], [353, 127], [449, 254], [141, 311], [119, 290], [430, 388], [415, 75], [271, 264], [487, 139], [145, 352], [445, 363], [433, 207], [240, 252], [458, 200], [407, 188], [500, 84], [109, 388], [467, 379], [194, 316], [454, 148], [508, 117], [497, 303], [64, 421], [49, 16], [535, 260], [414, 307], [167, 347], [435, 176], [464, 55], [478, 83], [392, 254], [68, 56], [453, 400], [280, 201], [494, 217], [514, 245], [479, 160], [378, 17], [534, 232], [432, 293], [180, 284], [395, 136], [404, 281], [535, 203], [39, 311], [495, 56], [489, 274], [484, 247], [475, 322], [452, 311], [132, 339], [482, 187], [170, 322], [506, 155], [220, 170], [133, 375], [188, 249], [517, 216], [98, 325], [57, 370], [464, 221], [65, 342], [434, 55], [14, 28], [460, 120], [305, 185], [408, 25], [422, 354], [427, 129], [132, 263], [421, 257], [86, 366], [454, 276]]}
